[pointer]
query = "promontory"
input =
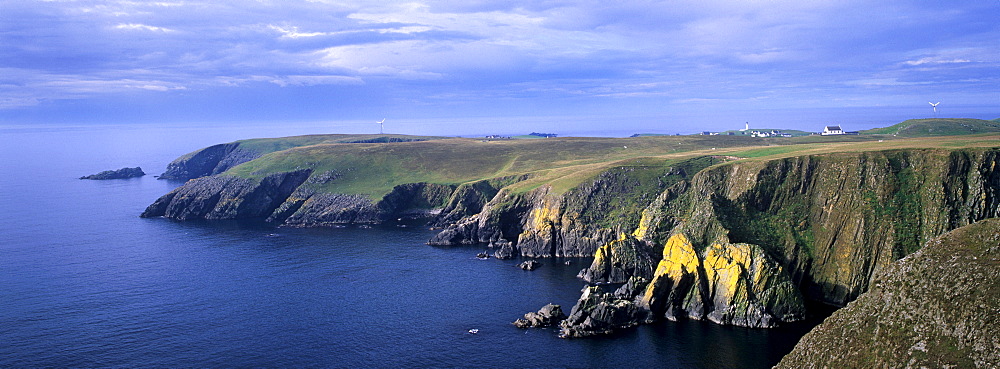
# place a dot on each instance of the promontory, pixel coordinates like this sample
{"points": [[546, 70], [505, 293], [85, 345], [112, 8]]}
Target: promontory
{"points": [[732, 229]]}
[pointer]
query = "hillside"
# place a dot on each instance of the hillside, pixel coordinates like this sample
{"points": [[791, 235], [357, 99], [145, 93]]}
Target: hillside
{"points": [[936, 308], [938, 127], [216, 159]]}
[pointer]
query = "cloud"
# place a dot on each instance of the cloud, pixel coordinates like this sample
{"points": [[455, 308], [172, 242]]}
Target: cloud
{"points": [[142, 27], [554, 51], [293, 32], [315, 80], [934, 60]]}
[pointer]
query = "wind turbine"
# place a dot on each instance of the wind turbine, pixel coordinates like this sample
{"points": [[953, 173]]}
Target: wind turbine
{"points": [[934, 105], [380, 125]]}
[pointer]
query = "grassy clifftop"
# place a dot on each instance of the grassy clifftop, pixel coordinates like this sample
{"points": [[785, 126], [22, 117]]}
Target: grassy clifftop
{"points": [[374, 169], [341, 165], [938, 127]]}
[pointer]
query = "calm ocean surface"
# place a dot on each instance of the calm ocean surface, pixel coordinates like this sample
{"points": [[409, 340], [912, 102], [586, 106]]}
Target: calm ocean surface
{"points": [[85, 282]]}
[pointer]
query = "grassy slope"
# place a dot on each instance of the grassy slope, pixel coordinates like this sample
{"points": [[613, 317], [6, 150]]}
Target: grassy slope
{"points": [[936, 308], [937, 127], [269, 145], [374, 169]]}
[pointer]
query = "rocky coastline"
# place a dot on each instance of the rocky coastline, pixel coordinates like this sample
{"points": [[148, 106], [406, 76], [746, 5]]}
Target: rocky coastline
{"points": [[742, 243]]}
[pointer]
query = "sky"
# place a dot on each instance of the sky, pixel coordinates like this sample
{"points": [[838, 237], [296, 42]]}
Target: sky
{"points": [[575, 66]]}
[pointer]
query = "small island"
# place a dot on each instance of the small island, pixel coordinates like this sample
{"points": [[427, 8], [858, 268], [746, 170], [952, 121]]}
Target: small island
{"points": [[123, 173]]}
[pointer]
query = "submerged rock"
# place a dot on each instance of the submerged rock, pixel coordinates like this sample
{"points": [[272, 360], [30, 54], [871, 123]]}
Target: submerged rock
{"points": [[117, 174], [548, 315]]}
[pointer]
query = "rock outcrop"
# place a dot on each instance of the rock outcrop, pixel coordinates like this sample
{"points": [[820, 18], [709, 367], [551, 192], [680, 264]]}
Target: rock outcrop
{"points": [[529, 265], [601, 312], [937, 308], [621, 259], [227, 197], [123, 173], [281, 198], [731, 284], [548, 315]]}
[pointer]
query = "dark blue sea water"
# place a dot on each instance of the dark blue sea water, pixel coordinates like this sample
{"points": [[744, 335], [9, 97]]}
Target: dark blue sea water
{"points": [[85, 282]]}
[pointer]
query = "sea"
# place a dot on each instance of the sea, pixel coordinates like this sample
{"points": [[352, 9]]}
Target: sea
{"points": [[85, 282]]}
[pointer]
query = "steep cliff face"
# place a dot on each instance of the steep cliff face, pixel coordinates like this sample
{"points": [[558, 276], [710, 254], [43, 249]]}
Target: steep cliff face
{"points": [[211, 160], [544, 223], [621, 259], [740, 241], [309, 208], [227, 197], [468, 199], [732, 284], [835, 219], [283, 199], [937, 308]]}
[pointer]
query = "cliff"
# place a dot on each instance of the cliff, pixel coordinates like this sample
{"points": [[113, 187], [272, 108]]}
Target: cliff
{"points": [[935, 308], [227, 197], [745, 243], [543, 222], [280, 198], [211, 160], [740, 236]]}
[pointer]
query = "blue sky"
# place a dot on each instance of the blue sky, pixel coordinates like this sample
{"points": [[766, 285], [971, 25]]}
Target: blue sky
{"points": [[678, 66]]}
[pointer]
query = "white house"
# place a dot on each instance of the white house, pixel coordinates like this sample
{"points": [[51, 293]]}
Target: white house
{"points": [[832, 130]]}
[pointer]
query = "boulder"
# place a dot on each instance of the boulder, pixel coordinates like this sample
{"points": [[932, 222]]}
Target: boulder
{"points": [[529, 265], [548, 315], [599, 312]]}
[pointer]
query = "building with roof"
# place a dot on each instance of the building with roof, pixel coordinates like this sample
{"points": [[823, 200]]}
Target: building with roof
{"points": [[832, 130]]}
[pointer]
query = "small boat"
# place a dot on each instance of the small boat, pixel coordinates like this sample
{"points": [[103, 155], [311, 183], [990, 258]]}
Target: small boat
{"points": [[473, 331]]}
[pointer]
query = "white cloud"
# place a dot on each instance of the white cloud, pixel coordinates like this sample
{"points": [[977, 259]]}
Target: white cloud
{"points": [[293, 32], [76, 85], [934, 60], [315, 80], [142, 27]]}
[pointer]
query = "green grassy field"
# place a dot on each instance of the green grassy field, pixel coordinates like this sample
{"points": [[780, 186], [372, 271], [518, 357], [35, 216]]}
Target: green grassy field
{"points": [[373, 169], [938, 127]]}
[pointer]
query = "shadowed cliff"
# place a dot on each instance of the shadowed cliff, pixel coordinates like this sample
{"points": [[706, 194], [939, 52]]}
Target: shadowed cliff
{"points": [[938, 307]]}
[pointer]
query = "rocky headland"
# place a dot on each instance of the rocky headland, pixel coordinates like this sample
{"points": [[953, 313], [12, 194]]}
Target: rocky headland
{"points": [[123, 173], [731, 240]]}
